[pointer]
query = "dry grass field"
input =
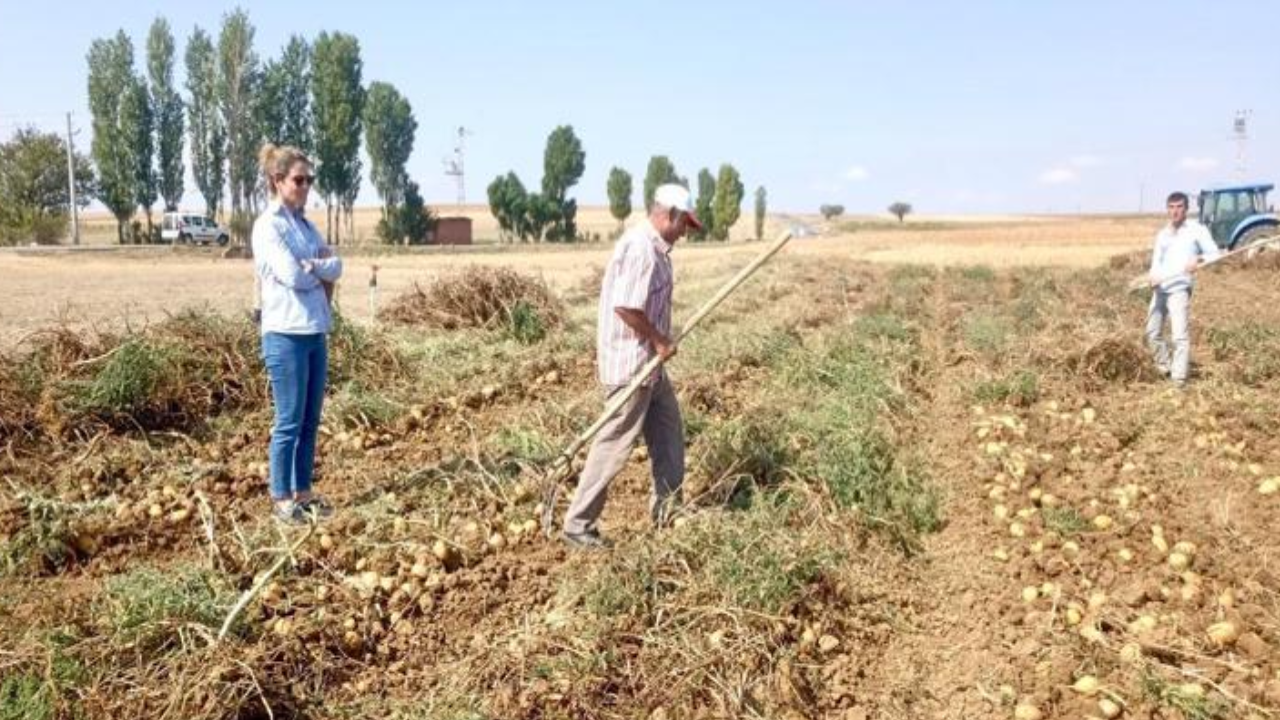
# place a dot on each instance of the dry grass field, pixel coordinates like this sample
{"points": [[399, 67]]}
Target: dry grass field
{"points": [[136, 288], [931, 474]]}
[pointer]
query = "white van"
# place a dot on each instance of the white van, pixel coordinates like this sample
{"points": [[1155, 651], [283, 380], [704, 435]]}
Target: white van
{"points": [[189, 228]]}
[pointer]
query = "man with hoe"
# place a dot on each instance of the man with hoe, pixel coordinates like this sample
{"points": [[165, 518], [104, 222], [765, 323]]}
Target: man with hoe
{"points": [[633, 325], [1180, 248]]}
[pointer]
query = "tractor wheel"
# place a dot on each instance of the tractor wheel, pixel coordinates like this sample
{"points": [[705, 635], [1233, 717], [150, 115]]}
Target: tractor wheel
{"points": [[1255, 235]]}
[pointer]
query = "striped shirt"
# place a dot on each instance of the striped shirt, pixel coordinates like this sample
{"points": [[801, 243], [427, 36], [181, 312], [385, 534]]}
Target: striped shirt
{"points": [[639, 276]]}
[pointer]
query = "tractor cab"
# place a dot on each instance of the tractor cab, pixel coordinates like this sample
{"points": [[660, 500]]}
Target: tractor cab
{"points": [[1237, 215]]}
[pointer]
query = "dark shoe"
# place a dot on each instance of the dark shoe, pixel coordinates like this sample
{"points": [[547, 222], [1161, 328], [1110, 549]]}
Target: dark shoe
{"points": [[316, 507], [590, 540], [288, 512]]}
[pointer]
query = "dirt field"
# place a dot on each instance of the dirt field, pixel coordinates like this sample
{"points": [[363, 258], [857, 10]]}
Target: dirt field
{"points": [[90, 290], [955, 489]]}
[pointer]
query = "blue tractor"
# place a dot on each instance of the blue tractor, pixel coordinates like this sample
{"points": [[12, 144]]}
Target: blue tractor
{"points": [[1238, 215]]}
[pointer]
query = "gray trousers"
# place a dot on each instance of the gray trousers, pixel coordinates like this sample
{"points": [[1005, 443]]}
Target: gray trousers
{"points": [[653, 411], [1177, 306]]}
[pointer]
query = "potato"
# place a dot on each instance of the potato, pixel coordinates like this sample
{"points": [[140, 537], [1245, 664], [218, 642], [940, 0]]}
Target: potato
{"points": [[1143, 625], [1027, 712], [441, 550], [1191, 690], [1131, 653], [1086, 685], [1223, 633], [808, 637]]}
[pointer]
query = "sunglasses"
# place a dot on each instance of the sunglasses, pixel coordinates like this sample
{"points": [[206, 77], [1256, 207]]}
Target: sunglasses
{"points": [[300, 180]]}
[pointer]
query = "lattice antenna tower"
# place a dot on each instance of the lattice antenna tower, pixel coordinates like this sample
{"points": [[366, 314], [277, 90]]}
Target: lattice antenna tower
{"points": [[1241, 134], [456, 166]]}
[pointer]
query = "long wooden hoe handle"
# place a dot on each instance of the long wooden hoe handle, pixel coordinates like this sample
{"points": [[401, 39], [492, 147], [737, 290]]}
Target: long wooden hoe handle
{"points": [[563, 464], [1142, 281]]}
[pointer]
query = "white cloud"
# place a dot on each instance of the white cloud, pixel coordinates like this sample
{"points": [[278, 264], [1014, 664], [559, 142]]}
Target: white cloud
{"points": [[1058, 176], [1198, 164], [856, 173], [1085, 161]]}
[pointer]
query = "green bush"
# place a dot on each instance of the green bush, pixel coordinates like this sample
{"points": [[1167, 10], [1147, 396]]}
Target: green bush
{"points": [[525, 324], [743, 455], [41, 229], [524, 445], [355, 405], [987, 335], [1250, 349], [26, 696], [1021, 388], [127, 381], [978, 274], [152, 609], [1065, 521]]}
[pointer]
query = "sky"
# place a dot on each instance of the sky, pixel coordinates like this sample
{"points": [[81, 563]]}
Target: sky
{"points": [[978, 107]]}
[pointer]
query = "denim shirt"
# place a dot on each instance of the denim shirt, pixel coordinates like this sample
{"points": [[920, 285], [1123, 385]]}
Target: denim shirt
{"points": [[293, 299]]}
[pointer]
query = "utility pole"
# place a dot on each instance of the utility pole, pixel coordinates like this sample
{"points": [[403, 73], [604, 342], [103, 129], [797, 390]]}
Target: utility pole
{"points": [[71, 187]]}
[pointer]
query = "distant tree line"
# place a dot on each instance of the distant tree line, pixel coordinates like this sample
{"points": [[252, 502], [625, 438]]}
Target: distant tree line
{"points": [[311, 96], [549, 216]]}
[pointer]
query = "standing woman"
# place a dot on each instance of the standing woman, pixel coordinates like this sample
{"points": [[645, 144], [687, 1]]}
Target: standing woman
{"points": [[296, 270]]}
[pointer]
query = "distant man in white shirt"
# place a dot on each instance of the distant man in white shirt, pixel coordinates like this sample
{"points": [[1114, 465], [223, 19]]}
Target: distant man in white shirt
{"points": [[633, 325], [1180, 248]]}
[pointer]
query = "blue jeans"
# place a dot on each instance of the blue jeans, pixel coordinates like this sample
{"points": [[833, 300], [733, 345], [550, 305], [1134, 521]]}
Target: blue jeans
{"points": [[298, 366]]}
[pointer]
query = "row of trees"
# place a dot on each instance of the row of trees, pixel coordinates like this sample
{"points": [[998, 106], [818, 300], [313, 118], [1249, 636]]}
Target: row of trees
{"points": [[312, 96], [549, 215], [718, 204], [898, 209]]}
